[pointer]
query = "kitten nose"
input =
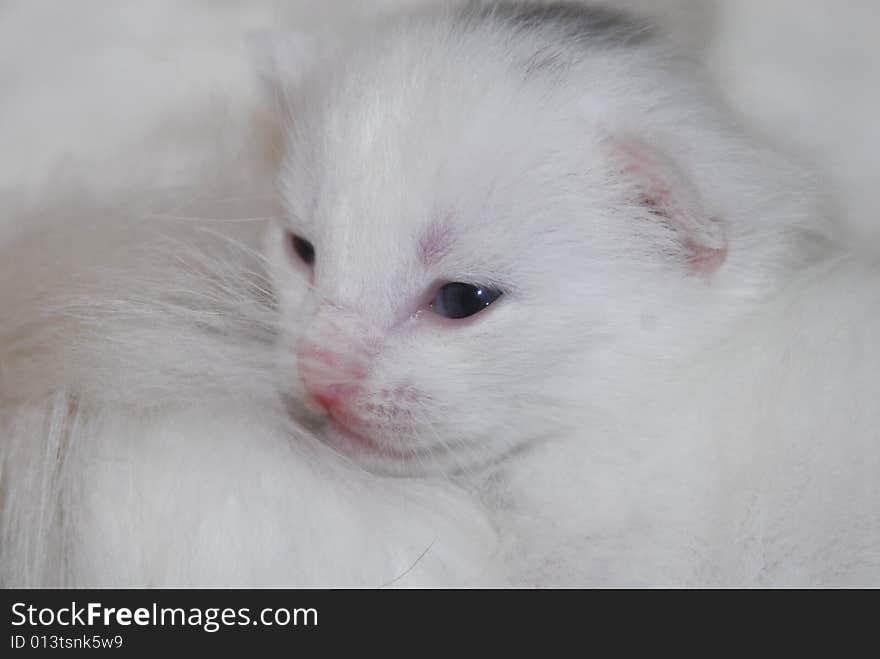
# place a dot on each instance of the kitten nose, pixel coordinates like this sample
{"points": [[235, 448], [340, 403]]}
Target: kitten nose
{"points": [[328, 377]]}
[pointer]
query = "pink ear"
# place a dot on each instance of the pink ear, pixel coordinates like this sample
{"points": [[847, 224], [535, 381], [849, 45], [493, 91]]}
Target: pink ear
{"points": [[665, 190]]}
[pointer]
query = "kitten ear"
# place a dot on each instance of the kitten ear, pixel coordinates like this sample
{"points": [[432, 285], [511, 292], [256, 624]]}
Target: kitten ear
{"points": [[283, 59], [662, 187]]}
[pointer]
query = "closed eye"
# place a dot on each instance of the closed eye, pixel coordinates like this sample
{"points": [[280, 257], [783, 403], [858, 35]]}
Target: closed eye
{"points": [[302, 248], [457, 300]]}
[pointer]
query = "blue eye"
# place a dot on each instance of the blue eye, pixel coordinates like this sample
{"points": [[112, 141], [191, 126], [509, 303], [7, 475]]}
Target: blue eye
{"points": [[462, 300]]}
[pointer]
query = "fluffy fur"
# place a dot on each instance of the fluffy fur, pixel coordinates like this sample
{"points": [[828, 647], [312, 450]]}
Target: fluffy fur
{"points": [[144, 441], [676, 388], [426, 145]]}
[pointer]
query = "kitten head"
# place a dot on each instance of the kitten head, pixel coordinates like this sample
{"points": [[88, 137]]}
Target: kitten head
{"points": [[496, 217]]}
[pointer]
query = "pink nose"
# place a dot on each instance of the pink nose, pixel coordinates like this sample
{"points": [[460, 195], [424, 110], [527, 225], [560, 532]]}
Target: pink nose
{"points": [[329, 379]]}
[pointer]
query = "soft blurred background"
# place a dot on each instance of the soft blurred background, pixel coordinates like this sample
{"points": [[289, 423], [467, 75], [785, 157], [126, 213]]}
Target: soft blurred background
{"points": [[105, 95]]}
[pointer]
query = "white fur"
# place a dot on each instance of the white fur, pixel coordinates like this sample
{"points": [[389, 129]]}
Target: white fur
{"points": [[144, 441], [426, 143], [615, 419], [611, 384], [202, 497]]}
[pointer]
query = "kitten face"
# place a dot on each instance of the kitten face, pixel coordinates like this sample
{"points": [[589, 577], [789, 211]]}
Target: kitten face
{"points": [[465, 263]]}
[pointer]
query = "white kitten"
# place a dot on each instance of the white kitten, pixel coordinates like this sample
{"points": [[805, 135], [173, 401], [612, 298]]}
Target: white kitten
{"points": [[531, 254], [667, 373], [551, 163]]}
